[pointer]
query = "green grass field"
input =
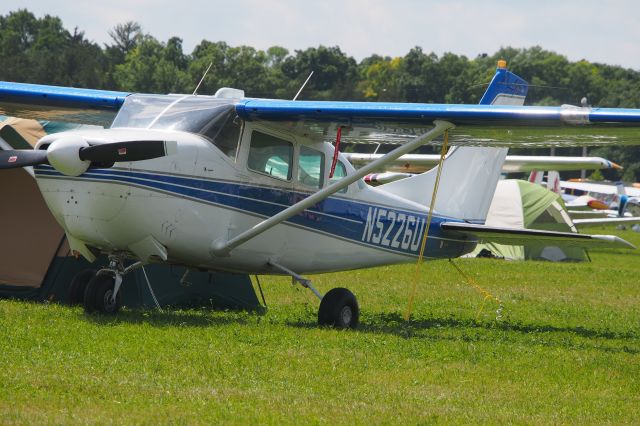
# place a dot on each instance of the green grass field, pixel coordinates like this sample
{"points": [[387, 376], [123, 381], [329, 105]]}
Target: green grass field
{"points": [[567, 350]]}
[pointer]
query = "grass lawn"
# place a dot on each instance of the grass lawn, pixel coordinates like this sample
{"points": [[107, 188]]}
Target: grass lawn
{"points": [[566, 350]]}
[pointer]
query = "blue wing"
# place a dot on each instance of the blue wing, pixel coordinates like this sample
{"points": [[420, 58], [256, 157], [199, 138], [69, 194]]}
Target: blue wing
{"points": [[86, 106], [479, 125], [486, 125]]}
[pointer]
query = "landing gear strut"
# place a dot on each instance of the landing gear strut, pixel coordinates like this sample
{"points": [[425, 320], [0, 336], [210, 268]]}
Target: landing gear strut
{"points": [[338, 308], [103, 290]]}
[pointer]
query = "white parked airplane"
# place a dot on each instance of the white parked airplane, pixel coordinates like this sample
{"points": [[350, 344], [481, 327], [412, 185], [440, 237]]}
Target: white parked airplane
{"points": [[410, 164], [601, 203], [231, 183], [419, 163]]}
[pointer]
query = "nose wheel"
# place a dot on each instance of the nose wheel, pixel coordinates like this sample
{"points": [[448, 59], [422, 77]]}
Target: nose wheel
{"points": [[101, 295]]}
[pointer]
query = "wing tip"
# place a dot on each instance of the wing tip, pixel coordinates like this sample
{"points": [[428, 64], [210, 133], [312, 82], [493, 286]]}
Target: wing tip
{"points": [[614, 240]]}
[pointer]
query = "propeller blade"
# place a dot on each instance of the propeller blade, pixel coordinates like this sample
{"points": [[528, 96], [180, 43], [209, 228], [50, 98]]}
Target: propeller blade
{"points": [[12, 159], [126, 151]]}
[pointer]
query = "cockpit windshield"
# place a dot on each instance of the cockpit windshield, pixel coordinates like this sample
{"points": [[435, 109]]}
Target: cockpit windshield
{"points": [[187, 113]]}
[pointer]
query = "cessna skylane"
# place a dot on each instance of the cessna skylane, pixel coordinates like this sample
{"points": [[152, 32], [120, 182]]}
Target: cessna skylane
{"points": [[248, 185]]}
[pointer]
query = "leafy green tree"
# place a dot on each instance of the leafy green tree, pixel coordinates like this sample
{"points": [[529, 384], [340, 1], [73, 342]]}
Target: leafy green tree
{"points": [[126, 36], [242, 67], [43, 51], [379, 80], [154, 67], [335, 74]]}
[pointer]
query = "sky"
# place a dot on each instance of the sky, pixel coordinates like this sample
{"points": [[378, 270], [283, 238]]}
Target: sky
{"points": [[598, 31]]}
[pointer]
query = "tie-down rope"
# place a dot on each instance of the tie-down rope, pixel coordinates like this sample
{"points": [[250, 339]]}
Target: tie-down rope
{"points": [[416, 275]]}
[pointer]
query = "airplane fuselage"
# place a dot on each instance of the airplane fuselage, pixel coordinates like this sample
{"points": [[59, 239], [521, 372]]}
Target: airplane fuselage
{"points": [[185, 202]]}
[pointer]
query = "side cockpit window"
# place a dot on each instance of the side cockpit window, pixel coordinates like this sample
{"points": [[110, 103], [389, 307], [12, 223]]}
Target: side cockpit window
{"points": [[339, 173], [270, 155], [224, 133], [310, 167]]}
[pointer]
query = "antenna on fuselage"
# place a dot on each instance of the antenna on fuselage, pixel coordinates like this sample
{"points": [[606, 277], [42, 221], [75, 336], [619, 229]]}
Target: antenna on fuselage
{"points": [[195, 92], [302, 87]]}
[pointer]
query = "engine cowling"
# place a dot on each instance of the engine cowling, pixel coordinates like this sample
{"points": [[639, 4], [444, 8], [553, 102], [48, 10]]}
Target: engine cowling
{"points": [[64, 155]]}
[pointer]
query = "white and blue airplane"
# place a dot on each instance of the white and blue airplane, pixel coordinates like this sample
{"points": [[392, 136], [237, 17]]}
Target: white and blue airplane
{"points": [[238, 184]]}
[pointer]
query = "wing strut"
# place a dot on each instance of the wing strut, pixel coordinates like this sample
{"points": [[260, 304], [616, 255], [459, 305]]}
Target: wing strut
{"points": [[220, 247]]}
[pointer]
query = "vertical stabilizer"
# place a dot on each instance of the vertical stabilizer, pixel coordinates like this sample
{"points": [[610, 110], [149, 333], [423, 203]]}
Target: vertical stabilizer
{"points": [[536, 176], [553, 181], [469, 174], [622, 198]]}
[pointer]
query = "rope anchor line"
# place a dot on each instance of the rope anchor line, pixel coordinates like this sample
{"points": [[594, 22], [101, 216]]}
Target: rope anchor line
{"points": [[470, 281], [425, 236]]}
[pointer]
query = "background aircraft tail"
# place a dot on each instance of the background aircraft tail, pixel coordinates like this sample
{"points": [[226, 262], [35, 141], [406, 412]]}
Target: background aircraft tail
{"points": [[469, 174], [622, 198], [536, 176], [553, 181]]}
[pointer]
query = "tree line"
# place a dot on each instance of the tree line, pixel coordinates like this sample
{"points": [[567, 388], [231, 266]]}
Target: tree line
{"points": [[42, 50]]}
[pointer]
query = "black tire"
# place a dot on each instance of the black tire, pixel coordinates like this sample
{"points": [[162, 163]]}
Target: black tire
{"points": [[78, 285], [339, 308], [98, 293]]}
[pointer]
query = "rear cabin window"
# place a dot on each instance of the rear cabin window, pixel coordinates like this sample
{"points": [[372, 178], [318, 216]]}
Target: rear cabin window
{"points": [[270, 155], [310, 167], [339, 173]]}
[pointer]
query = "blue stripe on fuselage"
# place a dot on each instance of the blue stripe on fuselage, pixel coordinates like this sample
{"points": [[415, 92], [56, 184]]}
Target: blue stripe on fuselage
{"points": [[378, 226]]}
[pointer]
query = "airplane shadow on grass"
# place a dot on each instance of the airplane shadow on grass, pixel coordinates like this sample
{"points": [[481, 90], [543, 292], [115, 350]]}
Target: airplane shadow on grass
{"points": [[545, 334], [203, 317], [432, 328]]}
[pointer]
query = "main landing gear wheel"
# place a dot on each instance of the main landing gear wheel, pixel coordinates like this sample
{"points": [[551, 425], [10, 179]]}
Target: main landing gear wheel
{"points": [[339, 309], [98, 295], [79, 285]]}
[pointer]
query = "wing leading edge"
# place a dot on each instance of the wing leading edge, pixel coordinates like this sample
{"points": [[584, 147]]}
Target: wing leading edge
{"points": [[476, 125], [55, 103], [364, 122]]}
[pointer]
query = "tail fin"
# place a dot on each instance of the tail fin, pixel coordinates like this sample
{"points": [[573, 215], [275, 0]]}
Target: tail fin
{"points": [[536, 176], [553, 181], [622, 198], [622, 205], [469, 174]]}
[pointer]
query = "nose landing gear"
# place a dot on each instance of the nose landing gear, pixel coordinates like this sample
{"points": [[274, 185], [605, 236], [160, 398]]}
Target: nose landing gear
{"points": [[102, 294], [101, 291]]}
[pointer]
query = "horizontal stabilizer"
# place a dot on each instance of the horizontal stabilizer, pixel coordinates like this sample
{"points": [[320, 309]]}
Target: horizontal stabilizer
{"points": [[513, 236]]}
